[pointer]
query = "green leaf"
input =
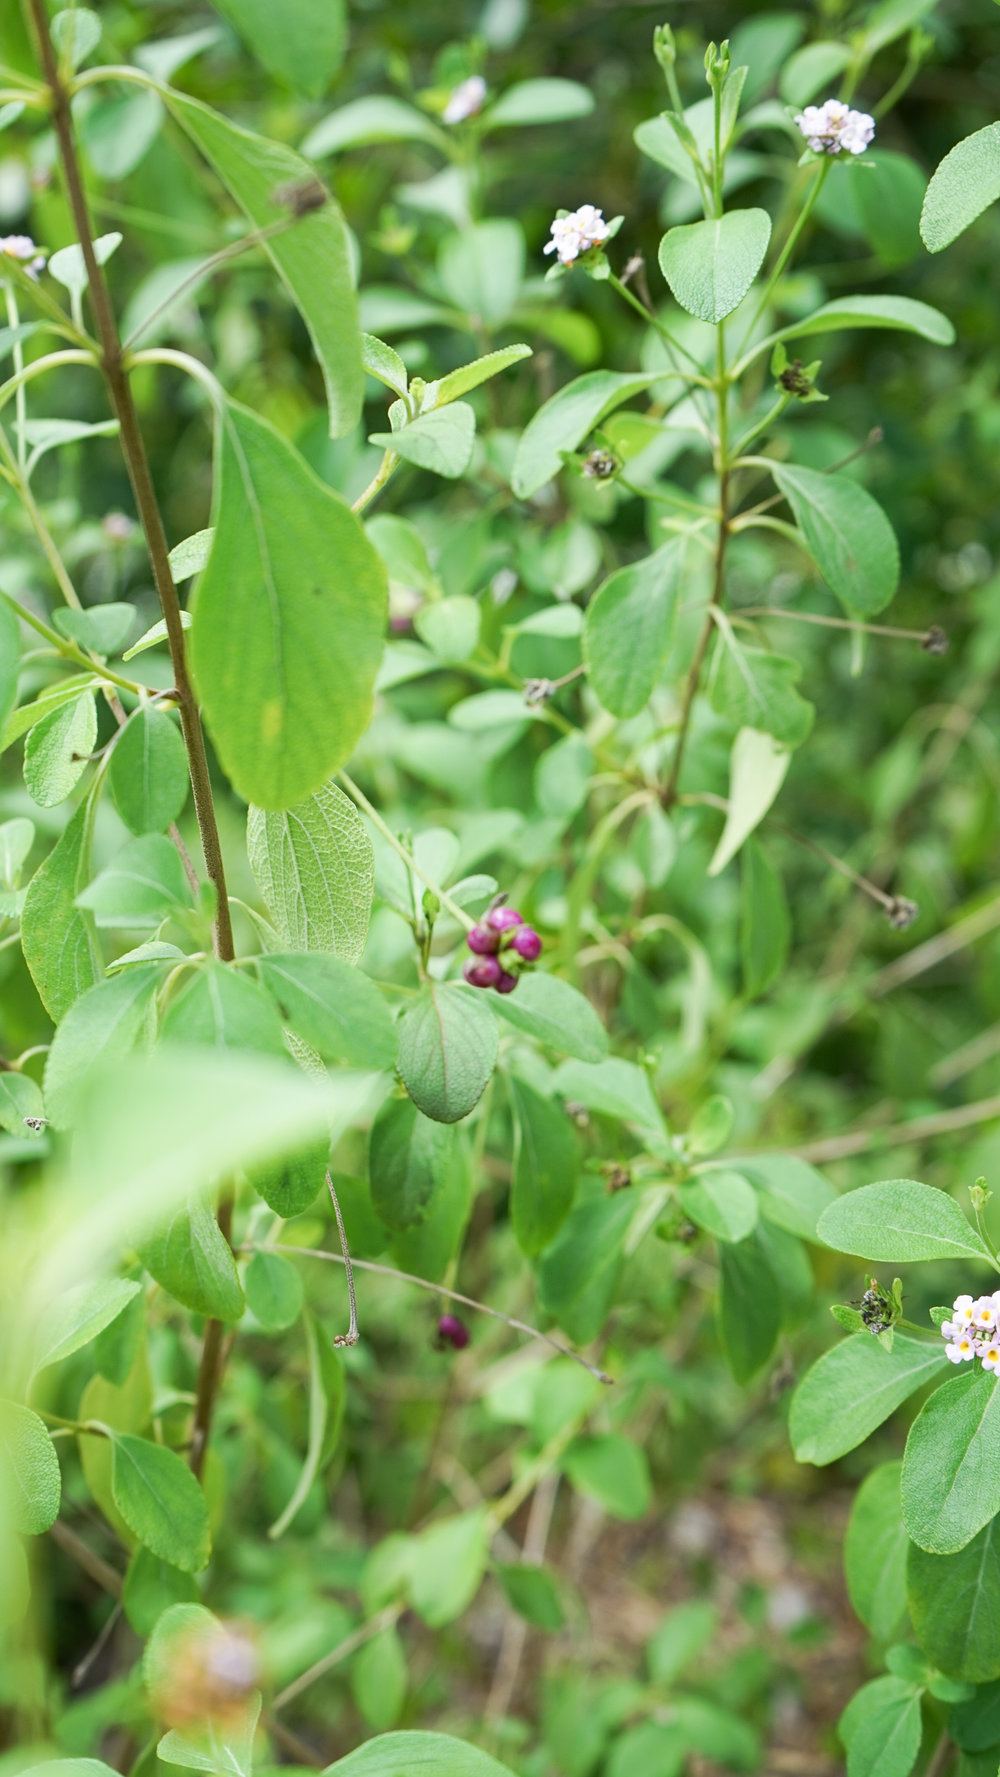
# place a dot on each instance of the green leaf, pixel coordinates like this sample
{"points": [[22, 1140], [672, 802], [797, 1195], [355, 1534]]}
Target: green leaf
{"points": [[481, 268], [222, 1009], [379, 1679], [377, 118], [890, 20], [765, 923], [55, 937], [966, 181], [812, 68], [315, 869], [578, 1275], [954, 1603], [629, 628], [332, 1006], [900, 312], [881, 1728], [158, 631], [118, 132], [57, 751], [533, 1593], [951, 1466], [711, 265], [901, 1221], [16, 840], [274, 1291], [417, 1755], [160, 1501], [546, 1167], [754, 689], [749, 1308], [103, 628], [853, 1388], [441, 440], [10, 659], [75, 34], [684, 1632], [447, 1567], [312, 256], [319, 1407], [974, 1725], [290, 1186], [148, 773], [67, 265], [757, 768], [793, 1194], [448, 1043], [30, 1478], [450, 627], [294, 575], [151, 1587], [469, 376], [722, 1203], [615, 1088], [565, 420], [875, 1552], [408, 1154], [430, 1248], [191, 1259], [847, 534], [50, 699], [102, 1025], [20, 1097], [302, 46], [888, 193], [143, 883], [533, 102], [613, 1471], [187, 558]]}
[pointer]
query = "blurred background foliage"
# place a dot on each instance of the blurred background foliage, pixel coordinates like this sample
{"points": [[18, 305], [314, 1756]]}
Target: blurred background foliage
{"points": [[899, 779]]}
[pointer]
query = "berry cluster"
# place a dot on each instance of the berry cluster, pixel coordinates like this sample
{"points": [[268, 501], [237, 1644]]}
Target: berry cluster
{"points": [[501, 931], [973, 1331]]}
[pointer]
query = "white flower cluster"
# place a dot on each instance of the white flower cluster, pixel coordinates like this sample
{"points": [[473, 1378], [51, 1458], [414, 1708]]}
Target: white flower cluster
{"points": [[575, 233], [829, 128], [466, 100], [21, 246], [974, 1330]]}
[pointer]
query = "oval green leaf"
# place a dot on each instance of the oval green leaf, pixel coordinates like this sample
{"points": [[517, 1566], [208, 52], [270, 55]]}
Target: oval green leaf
{"points": [[900, 1221], [629, 628], [966, 181], [954, 1605], [160, 1501], [875, 1552], [30, 1478], [711, 265], [407, 1158], [951, 1465], [448, 1042], [148, 773], [565, 420], [847, 534], [315, 869], [853, 1388], [546, 1165], [332, 1006]]}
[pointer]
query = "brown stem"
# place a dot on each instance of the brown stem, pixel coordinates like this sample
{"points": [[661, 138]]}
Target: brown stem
{"points": [[137, 464], [78, 1551], [213, 1359], [669, 795]]}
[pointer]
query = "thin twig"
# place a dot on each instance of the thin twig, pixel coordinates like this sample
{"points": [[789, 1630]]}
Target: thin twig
{"points": [[351, 1336], [74, 1546], [438, 1289], [384, 1619], [861, 1141]]}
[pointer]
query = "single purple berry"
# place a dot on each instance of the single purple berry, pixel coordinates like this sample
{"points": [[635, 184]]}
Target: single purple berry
{"points": [[452, 1331], [528, 944], [483, 940], [486, 972], [503, 918], [506, 983]]}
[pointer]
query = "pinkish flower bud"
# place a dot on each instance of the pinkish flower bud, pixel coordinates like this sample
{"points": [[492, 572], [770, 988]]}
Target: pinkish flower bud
{"points": [[483, 940], [503, 918], [486, 972], [528, 944], [506, 983], [452, 1331]]}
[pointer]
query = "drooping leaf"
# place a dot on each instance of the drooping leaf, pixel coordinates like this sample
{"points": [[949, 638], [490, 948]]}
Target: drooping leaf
{"points": [[289, 1186], [853, 1388], [448, 1043], [441, 440], [578, 1274], [711, 265], [951, 1466], [142, 884], [56, 937], [900, 1221], [896, 312], [875, 1549], [332, 1006], [294, 576], [148, 773], [847, 534], [546, 1167], [102, 1025], [408, 1155], [757, 769], [563, 421], [749, 1307], [954, 1603], [967, 180], [315, 869], [629, 628], [160, 1501], [302, 46], [30, 1477], [190, 1258], [312, 254]]}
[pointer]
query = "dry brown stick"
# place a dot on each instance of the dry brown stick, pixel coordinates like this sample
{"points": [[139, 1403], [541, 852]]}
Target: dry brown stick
{"points": [[861, 1141], [78, 1551]]}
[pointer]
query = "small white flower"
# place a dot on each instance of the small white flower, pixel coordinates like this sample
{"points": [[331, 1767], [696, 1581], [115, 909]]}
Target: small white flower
{"points": [[991, 1356], [21, 246], [962, 1351], [576, 233], [466, 100], [963, 1308], [829, 128], [984, 1314], [950, 1329]]}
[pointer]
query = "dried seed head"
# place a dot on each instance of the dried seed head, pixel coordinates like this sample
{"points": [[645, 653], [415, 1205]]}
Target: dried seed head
{"points": [[935, 641], [901, 913]]}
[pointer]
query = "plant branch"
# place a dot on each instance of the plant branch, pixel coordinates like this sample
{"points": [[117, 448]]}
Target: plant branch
{"points": [[458, 913], [896, 1135]]}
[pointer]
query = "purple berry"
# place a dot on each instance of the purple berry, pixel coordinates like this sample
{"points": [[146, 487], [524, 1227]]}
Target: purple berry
{"points": [[503, 918], [484, 973], [483, 941], [528, 944], [506, 983], [452, 1331]]}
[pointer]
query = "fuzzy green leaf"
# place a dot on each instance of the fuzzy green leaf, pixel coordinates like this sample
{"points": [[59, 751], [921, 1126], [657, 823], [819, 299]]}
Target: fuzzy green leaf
{"points": [[314, 866], [102, 1025], [853, 1388], [408, 1155], [546, 1166], [900, 1221], [332, 1006], [711, 265], [148, 773], [875, 1549], [565, 420], [847, 534], [448, 1043], [30, 1478], [629, 627], [56, 937], [160, 1501], [954, 1603], [951, 1466], [302, 45], [966, 181], [191, 1259]]}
